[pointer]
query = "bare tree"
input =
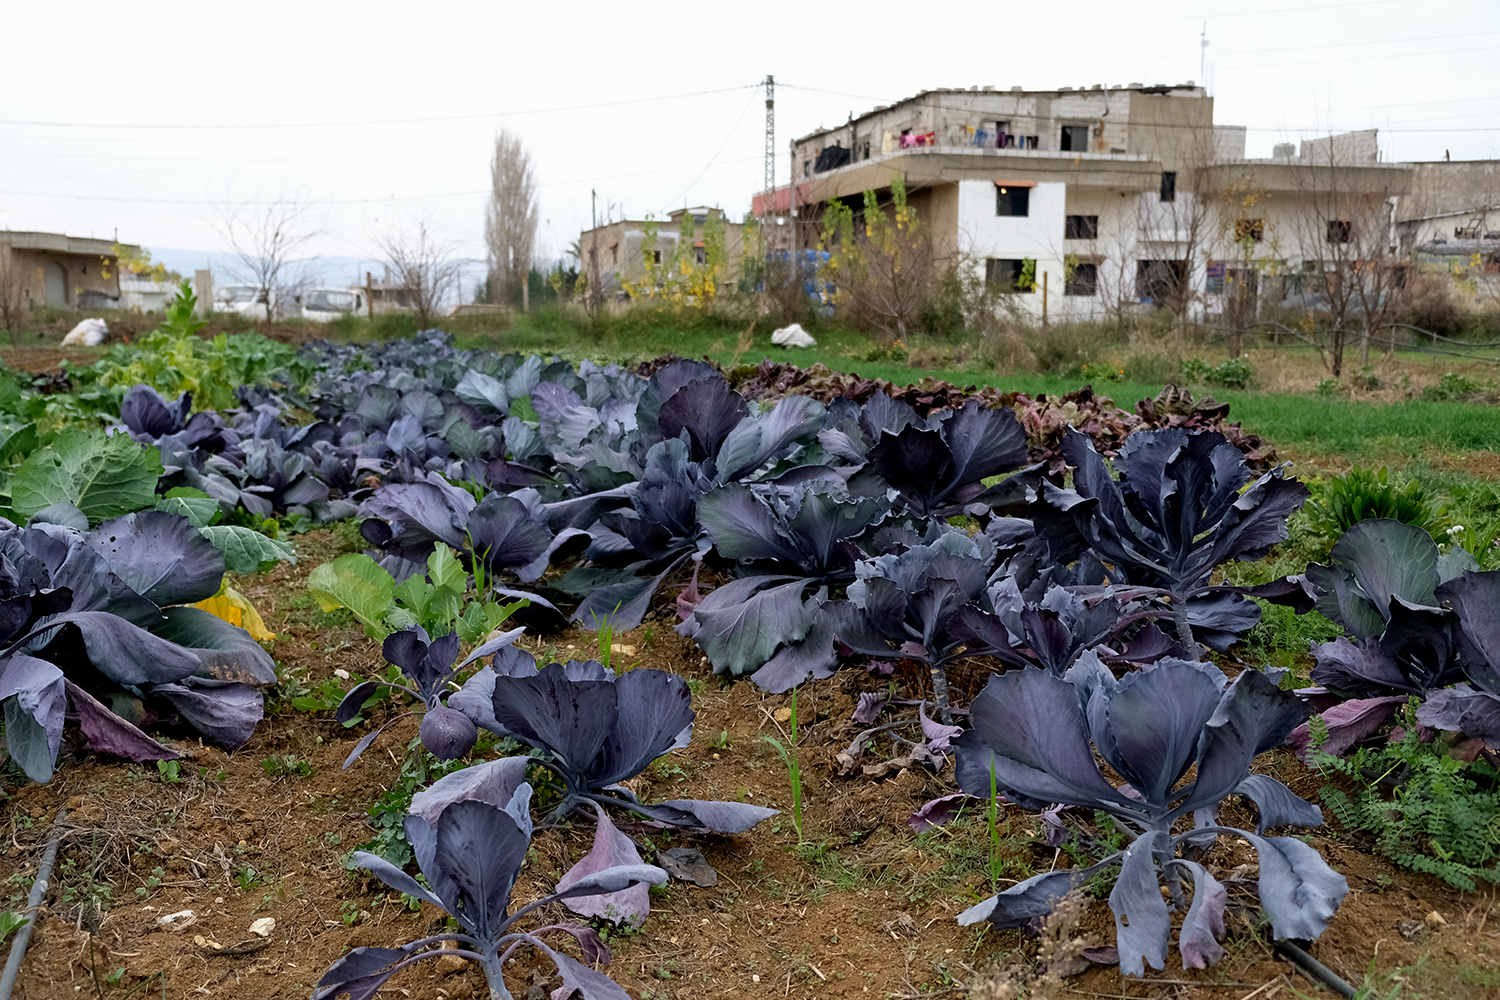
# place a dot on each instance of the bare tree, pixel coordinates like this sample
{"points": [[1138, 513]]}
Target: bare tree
{"points": [[1177, 221], [266, 236], [13, 301], [1346, 232], [425, 265], [511, 219]]}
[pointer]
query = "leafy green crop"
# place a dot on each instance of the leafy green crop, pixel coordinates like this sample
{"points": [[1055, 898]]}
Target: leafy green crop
{"points": [[102, 475], [1426, 810], [435, 601]]}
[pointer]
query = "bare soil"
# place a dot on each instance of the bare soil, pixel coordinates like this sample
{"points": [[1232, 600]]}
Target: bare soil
{"points": [[863, 908]]}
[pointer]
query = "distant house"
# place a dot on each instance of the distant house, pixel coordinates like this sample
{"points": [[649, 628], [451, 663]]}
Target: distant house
{"points": [[64, 272], [619, 252]]}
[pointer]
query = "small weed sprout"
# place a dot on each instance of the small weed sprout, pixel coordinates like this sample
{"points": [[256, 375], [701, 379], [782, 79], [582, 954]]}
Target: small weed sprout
{"points": [[791, 757]]}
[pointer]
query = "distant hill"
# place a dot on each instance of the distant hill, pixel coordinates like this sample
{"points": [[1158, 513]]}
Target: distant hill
{"points": [[227, 268]]}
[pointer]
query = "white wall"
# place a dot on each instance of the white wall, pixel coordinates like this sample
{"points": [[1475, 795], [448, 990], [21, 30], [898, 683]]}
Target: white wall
{"points": [[1038, 235]]}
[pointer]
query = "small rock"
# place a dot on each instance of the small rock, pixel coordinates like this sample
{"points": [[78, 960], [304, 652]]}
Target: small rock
{"points": [[263, 927], [1435, 921], [449, 964], [180, 920], [782, 714], [622, 648], [1410, 929], [203, 942], [688, 865]]}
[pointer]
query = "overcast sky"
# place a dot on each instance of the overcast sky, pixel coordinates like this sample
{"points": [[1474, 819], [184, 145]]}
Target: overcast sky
{"points": [[143, 120]]}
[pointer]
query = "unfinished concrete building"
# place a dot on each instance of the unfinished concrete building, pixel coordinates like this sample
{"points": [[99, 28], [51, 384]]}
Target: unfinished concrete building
{"points": [[1106, 200], [63, 272], [618, 248]]}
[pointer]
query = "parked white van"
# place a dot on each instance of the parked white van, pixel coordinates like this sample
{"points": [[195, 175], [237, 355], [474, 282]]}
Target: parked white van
{"points": [[240, 299], [325, 305]]}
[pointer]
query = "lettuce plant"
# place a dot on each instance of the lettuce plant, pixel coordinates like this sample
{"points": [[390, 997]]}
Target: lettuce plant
{"points": [[1034, 740], [470, 832]]}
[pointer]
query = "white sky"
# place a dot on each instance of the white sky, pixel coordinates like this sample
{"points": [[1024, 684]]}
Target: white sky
{"points": [[226, 87]]}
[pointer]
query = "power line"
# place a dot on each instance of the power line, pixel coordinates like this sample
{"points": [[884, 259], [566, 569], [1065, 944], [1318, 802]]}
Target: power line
{"points": [[362, 201], [732, 130], [227, 126]]}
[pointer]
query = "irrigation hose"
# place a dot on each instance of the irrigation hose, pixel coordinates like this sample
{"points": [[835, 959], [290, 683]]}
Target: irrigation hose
{"points": [[33, 906], [1292, 953]]}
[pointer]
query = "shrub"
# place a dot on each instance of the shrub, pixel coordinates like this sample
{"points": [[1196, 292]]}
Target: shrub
{"points": [[1231, 374], [1362, 494], [1453, 387]]}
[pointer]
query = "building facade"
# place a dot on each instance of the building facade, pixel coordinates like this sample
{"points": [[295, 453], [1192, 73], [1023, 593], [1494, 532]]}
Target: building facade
{"points": [[62, 272], [618, 249], [1107, 200]]}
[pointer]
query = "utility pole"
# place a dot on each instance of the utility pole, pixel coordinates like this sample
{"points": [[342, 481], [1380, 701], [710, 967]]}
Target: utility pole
{"points": [[1203, 54], [594, 206], [770, 134]]}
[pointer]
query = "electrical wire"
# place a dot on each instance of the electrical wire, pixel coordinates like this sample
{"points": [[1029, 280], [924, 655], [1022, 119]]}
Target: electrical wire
{"points": [[732, 130], [224, 126]]}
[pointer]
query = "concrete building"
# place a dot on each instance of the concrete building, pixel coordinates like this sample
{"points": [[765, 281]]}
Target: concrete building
{"points": [[1119, 199], [63, 272], [619, 246]]}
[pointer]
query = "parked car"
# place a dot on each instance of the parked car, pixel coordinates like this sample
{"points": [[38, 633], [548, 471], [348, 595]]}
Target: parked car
{"points": [[327, 304], [241, 299]]}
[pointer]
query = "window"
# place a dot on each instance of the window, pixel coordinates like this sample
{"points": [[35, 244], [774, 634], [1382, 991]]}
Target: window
{"points": [[1010, 275], [1168, 185], [1010, 200], [807, 168], [1338, 230], [1074, 138], [1156, 280], [1466, 232], [1082, 279], [700, 255], [1081, 227], [1027, 141], [614, 254], [1253, 230], [655, 256]]}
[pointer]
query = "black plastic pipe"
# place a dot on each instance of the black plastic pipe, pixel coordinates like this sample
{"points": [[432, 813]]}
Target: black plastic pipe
{"points": [[1301, 959], [33, 907]]}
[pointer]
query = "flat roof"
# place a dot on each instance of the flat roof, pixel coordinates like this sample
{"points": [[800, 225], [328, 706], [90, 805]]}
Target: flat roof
{"points": [[62, 243]]}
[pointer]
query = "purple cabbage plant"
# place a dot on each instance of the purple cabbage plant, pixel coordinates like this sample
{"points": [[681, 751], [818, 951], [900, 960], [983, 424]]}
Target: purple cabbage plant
{"points": [[1034, 740], [1471, 708], [98, 621], [784, 542], [1181, 508], [470, 832], [1384, 584], [596, 729], [915, 599], [430, 665], [936, 464]]}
